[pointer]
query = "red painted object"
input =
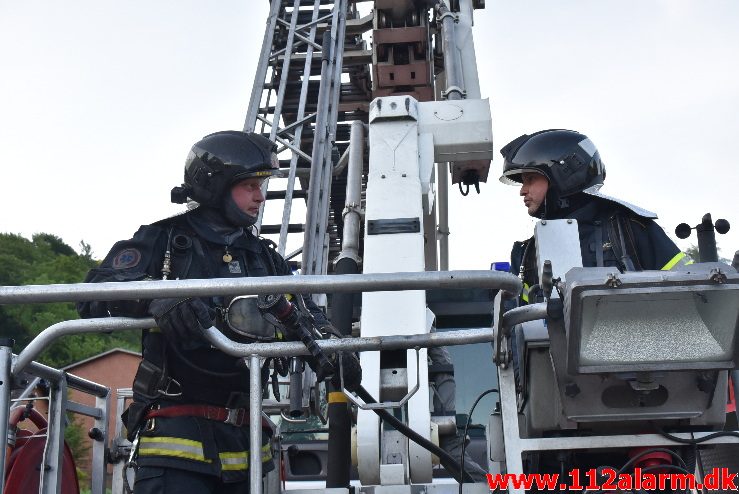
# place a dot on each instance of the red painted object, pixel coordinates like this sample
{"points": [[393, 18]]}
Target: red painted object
{"points": [[653, 459], [23, 464], [731, 405]]}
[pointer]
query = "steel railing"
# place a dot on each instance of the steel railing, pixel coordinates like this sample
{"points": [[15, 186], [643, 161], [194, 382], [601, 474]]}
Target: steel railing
{"points": [[253, 354]]}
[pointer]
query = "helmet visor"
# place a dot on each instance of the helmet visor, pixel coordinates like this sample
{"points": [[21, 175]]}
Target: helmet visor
{"points": [[514, 176]]}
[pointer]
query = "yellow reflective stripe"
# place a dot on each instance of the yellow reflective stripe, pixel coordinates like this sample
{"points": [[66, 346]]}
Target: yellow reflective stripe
{"points": [[525, 293], [172, 446], [238, 460], [266, 452], [337, 397], [672, 262]]}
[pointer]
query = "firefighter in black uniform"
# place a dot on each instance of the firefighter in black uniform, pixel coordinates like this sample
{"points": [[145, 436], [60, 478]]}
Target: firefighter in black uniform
{"points": [[190, 399], [560, 173]]}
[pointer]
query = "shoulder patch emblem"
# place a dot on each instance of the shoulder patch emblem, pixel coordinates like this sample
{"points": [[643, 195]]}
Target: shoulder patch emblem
{"points": [[127, 258]]}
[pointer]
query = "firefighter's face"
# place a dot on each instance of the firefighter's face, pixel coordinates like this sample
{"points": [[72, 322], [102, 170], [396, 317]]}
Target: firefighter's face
{"points": [[534, 188], [247, 194]]}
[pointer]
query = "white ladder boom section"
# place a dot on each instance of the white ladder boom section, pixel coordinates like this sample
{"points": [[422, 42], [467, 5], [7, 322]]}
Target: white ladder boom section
{"points": [[406, 138]]}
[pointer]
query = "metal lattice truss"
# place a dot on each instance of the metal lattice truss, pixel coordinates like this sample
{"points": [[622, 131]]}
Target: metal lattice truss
{"points": [[294, 102]]}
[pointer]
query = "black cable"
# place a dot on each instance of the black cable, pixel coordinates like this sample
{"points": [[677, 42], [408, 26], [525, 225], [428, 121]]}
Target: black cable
{"points": [[466, 426], [696, 441], [445, 458]]}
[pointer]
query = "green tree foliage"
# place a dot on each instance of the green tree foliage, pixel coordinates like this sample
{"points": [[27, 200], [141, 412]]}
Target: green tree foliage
{"points": [[692, 252], [43, 260]]}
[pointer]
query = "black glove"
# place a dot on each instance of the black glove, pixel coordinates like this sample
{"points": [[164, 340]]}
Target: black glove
{"points": [[183, 318], [351, 369]]}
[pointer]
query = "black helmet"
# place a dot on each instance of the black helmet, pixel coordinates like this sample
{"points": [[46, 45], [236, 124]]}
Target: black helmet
{"points": [[219, 160], [567, 158]]}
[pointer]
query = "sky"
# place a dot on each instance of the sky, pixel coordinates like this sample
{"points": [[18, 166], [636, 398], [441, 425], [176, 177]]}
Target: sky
{"points": [[101, 100]]}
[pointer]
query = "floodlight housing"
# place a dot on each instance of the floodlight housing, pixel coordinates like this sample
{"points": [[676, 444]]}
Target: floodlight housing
{"points": [[652, 320]]}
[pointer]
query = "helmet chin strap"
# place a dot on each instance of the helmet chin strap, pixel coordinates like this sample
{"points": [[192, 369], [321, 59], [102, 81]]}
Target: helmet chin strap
{"points": [[235, 215]]}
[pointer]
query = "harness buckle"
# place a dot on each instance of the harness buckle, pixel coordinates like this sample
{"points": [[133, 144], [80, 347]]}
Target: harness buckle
{"points": [[234, 416]]}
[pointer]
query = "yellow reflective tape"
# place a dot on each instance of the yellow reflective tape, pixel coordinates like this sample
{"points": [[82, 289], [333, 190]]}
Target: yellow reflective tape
{"points": [[172, 453], [672, 262], [266, 452], [525, 293], [173, 447], [337, 397], [238, 460], [173, 440]]}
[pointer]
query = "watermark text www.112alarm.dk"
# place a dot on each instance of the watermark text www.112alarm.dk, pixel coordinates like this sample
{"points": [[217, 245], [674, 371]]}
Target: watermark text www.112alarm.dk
{"points": [[608, 479]]}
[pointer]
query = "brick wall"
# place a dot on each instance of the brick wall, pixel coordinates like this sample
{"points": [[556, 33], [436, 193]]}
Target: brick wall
{"points": [[114, 370]]}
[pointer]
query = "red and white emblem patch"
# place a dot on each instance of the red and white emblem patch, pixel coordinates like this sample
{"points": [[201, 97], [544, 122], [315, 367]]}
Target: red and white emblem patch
{"points": [[127, 258]]}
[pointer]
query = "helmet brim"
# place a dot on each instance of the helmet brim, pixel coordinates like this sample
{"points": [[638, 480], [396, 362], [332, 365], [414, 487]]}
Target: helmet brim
{"points": [[271, 172], [513, 177]]}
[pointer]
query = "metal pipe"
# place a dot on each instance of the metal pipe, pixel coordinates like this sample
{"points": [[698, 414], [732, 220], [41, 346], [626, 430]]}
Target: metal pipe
{"points": [[255, 424], [466, 49], [77, 326], [261, 73], [52, 460], [523, 314], [342, 308], [310, 242], [339, 465], [375, 343], [374, 282], [452, 61], [338, 29], [352, 214], [6, 381], [365, 344], [293, 170], [76, 382], [341, 164], [511, 318], [442, 193], [26, 392]]}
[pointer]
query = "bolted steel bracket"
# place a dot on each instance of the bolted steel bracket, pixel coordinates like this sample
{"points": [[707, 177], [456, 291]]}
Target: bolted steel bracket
{"points": [[613, 280], [717, 276]]}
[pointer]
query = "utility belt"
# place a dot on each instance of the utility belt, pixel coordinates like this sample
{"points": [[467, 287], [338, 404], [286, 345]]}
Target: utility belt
{"points": [[153, 386], [238, 417]]}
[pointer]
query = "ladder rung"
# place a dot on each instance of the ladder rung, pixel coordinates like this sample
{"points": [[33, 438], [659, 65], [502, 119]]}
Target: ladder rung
{"points": [[273, 229], [280, 194]]}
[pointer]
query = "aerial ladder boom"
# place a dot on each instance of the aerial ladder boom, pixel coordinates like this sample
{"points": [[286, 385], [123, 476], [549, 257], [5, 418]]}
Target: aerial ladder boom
{"points": [[426, 110]]}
